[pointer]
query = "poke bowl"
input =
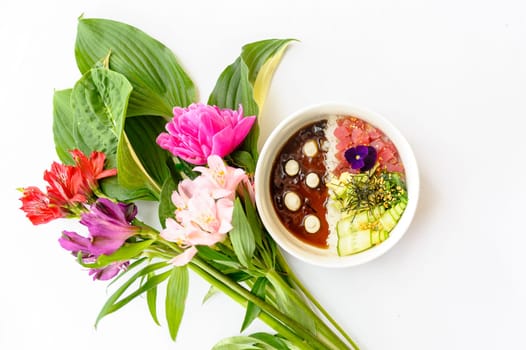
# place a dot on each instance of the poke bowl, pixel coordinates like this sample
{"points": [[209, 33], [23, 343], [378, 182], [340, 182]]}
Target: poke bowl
{"points": [[336, 185]]}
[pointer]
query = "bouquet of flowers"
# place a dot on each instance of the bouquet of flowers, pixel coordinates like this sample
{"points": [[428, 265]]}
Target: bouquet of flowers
{"points": [[131, 128]]}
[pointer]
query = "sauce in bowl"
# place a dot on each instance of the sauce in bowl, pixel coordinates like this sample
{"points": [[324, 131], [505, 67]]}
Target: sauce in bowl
{"points": [[298, 187]]}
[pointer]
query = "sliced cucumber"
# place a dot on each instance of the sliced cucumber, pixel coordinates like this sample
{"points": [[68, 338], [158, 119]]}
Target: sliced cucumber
{"points": [[361, 231], [390, 218], [355, 242]]}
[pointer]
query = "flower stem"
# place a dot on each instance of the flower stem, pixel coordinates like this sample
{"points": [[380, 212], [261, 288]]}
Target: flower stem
{"points": [[276, 279], [283, 263], [265, 307], [242, 296], [267, 319]]}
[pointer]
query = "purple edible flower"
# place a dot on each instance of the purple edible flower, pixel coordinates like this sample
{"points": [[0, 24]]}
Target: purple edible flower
{"points": [[361, 158]]}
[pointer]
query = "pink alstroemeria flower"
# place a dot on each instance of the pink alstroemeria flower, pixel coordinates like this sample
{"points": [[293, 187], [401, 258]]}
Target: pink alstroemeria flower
{"points": [[201, 130], [203, 221], [221, 179]]}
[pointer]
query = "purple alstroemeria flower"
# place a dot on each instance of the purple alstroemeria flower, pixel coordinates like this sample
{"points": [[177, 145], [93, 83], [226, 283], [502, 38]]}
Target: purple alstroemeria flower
{"points": [[361, 158], [76, 244], [110, 271], [109, 225]]}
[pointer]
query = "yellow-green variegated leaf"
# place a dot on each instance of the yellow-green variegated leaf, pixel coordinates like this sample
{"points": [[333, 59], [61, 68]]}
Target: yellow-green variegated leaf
{"points": [[131, 173], [246, 82], [262, 58]]}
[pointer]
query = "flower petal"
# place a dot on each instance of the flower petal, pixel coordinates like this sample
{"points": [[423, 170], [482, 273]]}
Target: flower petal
{"points": [[185, 257]]}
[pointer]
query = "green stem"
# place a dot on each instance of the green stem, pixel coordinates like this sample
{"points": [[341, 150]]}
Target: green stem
{"points": [[277, 280], [283, 263], [242, 296], [267, 319], [265, 307]]}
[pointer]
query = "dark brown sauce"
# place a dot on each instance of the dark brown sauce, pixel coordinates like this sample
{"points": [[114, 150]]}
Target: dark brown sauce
{"points": [[313, 200]]}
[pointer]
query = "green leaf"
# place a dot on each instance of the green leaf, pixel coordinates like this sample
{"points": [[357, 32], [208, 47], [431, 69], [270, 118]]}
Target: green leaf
{"points": [[176, 292], [150, 283], [142, 133], [151, 299], [252, 217], [233, 89], [166, 207], [285, 302], [244, 160], [159, 82], [246, 82], [131, 173], [111, 304], [99, 101], [241, 235], [273, 340], [211, 292], [63, 122], [262, 59], [242, 343], [126, 252], [111, 188], [253, 311]]}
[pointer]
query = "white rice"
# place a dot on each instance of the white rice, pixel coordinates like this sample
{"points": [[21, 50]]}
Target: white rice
{"points": [[333, 214]]}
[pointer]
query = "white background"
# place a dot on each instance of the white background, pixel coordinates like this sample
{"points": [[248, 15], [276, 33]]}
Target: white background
{"points": [[451, 75]]}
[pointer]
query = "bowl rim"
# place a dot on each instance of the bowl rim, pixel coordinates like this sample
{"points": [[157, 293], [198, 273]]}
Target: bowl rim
{"points": [[273, 144]]}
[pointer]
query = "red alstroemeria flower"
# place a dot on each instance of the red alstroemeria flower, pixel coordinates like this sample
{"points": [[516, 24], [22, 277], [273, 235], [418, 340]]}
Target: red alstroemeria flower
{"points": [[68, 186], [37, 207], [92, 168], [65, 185]]}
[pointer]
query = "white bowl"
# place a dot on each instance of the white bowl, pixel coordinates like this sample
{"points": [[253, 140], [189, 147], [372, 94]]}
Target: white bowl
{"points": [[273, 145]]}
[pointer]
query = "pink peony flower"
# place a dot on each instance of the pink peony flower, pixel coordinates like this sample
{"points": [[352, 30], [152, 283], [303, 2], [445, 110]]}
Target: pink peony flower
{"points": [[200, 130]]}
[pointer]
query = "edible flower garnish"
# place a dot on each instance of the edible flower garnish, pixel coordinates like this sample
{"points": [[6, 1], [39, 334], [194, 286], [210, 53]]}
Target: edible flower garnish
{"points": [[361, 158]]}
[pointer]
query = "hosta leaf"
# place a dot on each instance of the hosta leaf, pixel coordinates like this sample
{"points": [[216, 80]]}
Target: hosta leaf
{"points": [[141, 164], [99, 101], [131, 172], [234, 88], [176, 292], [246, 82], [63, 122], [112, 189], [142, 133], [262, 59], [159, 82]]}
